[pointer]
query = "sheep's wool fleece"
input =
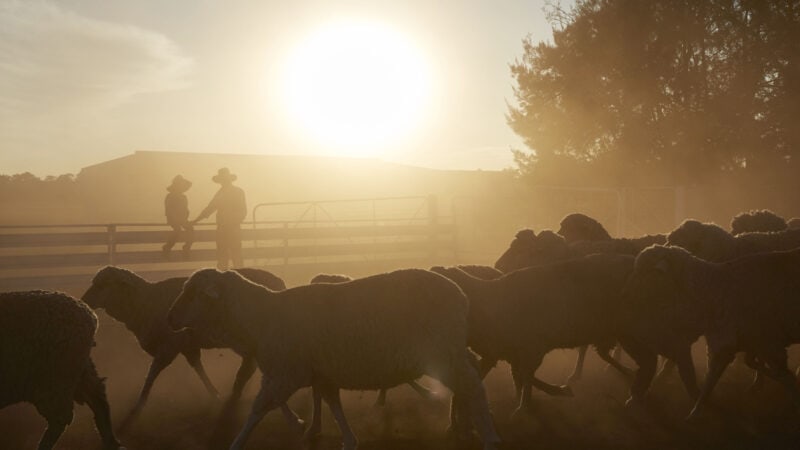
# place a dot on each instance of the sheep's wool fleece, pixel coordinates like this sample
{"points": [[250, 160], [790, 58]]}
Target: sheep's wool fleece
{"points": [[45, 341]]}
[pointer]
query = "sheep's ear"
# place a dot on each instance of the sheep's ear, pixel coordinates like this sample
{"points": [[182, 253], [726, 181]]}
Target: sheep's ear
{"points": [[662, 266], [212, 291]]}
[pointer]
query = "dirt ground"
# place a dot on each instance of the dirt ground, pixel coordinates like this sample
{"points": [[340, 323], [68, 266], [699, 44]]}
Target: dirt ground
{"points": [[182, 416]]}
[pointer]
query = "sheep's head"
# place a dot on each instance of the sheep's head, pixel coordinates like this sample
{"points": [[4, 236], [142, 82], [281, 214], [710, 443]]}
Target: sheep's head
{"points": [[110, 282], [518, 253], [528, 250], [757, 221], [330, 278], [202, 301], [580, 227], [657, 286], [704, 240]]}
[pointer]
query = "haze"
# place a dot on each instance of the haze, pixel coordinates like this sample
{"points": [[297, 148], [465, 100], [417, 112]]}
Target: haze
{"points": [[87, 81]]}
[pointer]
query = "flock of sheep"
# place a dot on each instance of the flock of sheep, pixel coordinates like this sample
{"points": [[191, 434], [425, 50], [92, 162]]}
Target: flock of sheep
{"points": [[579, 287]]}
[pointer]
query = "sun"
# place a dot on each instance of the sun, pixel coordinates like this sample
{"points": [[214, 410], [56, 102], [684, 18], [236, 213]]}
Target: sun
{"points": [[356, 87]]}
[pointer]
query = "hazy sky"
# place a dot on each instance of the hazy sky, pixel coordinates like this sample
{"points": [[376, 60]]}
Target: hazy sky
{"points": [[84, 81]]}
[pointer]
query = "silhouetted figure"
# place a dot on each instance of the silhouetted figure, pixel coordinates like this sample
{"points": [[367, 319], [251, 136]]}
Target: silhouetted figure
{"points": [[229, 204], [176, 208]]}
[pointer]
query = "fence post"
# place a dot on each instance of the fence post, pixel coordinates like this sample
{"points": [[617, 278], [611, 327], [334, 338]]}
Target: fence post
{"points": [[285, 244], [433, 222], [112, 243]]}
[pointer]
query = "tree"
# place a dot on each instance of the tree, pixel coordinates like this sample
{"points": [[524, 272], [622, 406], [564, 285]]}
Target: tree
{"points": [[676, 89]]}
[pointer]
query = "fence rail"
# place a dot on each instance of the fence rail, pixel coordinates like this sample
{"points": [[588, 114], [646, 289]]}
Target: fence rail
{"points": [[42, 253]]}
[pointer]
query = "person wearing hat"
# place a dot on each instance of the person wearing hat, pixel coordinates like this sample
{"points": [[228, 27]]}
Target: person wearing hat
{"points": [[229, 204], [176, 208]]}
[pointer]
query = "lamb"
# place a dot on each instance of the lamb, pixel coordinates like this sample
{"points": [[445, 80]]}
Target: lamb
{"points": [[523, 315], [142, 306], [749, 304], [762, 220], [381, 400], [370, 333], [45, 344]]}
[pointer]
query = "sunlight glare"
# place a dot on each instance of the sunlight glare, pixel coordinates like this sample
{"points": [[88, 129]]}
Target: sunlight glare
{"points": [[355, 86]]}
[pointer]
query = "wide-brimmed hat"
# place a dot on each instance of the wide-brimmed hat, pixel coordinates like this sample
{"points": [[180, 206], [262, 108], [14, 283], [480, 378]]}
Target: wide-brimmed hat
{"points": [[179, 184], [224, 174]]}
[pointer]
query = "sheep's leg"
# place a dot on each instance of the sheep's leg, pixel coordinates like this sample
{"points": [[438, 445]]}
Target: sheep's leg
{"points": [[647, 361], [160, 362], [381, 400], [577, 373], [316, 415], [51, 435], [421, 390], [58, 414], [526, 375], [243, 375], [469, 400], [718, 362], [273, 393], [776, 367], [331, 396], [193, 357], [92, 391], [758, 380], [522, 383], [603, 351]]}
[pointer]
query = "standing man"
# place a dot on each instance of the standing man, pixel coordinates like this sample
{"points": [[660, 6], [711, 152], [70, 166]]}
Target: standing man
{"points": [[229, 204], [176, 208]]}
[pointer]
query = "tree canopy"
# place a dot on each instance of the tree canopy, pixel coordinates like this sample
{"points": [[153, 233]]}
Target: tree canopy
{"points": [[678, 87]]}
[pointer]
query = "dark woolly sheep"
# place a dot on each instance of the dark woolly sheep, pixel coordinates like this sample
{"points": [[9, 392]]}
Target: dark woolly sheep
{"points": [[381, 400], [580, 227], [366, 334], [142, 307], [712, 243], [525, 314], [45, 344], [762, 220], [529, 250], [749, 304]]}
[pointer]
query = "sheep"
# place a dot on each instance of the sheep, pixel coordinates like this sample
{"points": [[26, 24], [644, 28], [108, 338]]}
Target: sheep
{"points": [[370, 333], [45, 344], [142, 307], [527, 313], [712, 243], [762, 220], [381, 400], [580, 227], [749, 304], [528, 249], [793, 223]]}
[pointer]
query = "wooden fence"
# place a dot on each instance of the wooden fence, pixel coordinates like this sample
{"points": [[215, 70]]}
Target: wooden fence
{"points": [[51, 256]]}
